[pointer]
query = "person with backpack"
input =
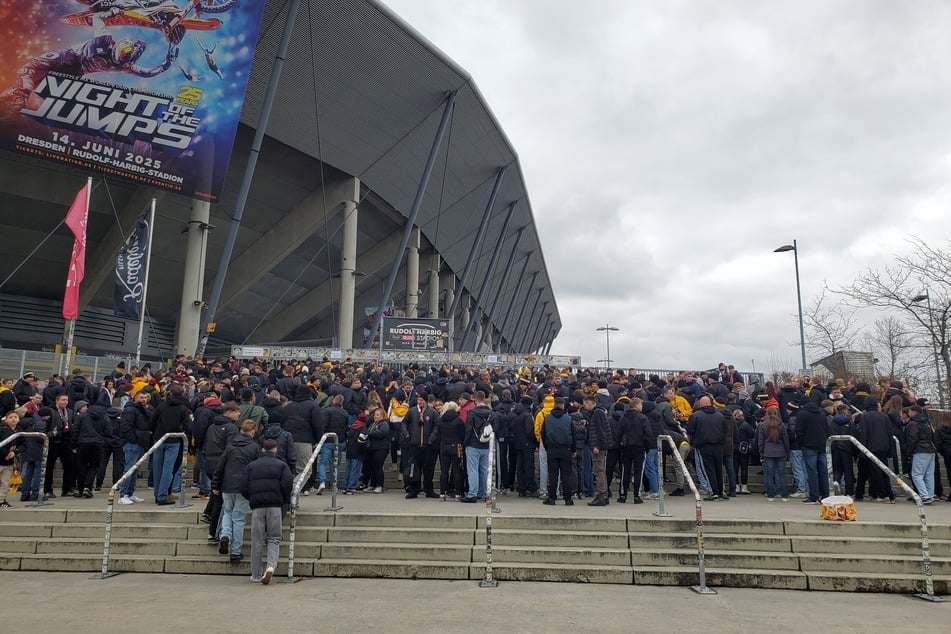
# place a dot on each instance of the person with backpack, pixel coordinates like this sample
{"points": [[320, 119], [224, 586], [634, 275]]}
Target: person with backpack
{"points": [[80, 389], [557, 433], [478, 424], [249, 409]]}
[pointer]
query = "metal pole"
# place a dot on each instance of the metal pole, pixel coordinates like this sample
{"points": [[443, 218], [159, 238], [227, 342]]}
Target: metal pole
{"points": [[414, 210], [929, 594], [934, 346], [245, 187], [110, 502], [145, 286], [802, 332], [299, 482], [477, 243], [488, 580], [898, 457], [181, 493], [661, 510], [489, 270], [40, 496], [333, 490]]}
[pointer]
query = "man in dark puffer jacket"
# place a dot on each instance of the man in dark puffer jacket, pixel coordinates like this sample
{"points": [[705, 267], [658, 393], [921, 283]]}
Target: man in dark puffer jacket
{"points": [[268, 491]]}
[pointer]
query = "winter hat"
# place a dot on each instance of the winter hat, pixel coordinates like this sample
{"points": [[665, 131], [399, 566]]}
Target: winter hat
{"points": [[79, 405], [44, 411]]}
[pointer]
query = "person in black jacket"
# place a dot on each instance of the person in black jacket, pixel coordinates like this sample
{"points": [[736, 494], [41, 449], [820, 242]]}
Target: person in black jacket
{"points": [[86, 441], [378, 445], [136, 438], [170, 416], [111, 448], [812, 428], [268, 491], [920, 440], [336, 420], [523, 429], [562, 446], [478, 421], [874, 433], [230, 478], [447, 436], [635, 441], [601, 440], [304, 419], [419, 457], [843, 450], [707, 432]]}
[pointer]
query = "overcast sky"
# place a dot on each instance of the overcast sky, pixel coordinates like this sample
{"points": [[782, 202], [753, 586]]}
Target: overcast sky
{"points": [[669, 147]]}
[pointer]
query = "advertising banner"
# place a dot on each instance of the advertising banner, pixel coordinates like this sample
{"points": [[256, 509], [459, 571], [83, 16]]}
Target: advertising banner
{"points": [[145, 90], [130, 270], [413, 333]]}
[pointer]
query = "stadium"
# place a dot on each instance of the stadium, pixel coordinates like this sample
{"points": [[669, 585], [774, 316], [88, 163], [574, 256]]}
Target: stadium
{"points": [[382, 170]]}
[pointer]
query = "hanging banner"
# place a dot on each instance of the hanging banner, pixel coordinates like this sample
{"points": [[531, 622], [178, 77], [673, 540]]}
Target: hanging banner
{"points": [[76, 219], [130, 270], [146, 90], [412, 333]]}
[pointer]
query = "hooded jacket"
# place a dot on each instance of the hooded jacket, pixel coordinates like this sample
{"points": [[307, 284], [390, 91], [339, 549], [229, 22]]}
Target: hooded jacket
{"points": [[449, 431], [919, 436], [285, 443], [231, 472], [268, 483], [548, 404], [558, 434], [134, 425], [812, 427], [636, 431], [478, 419], [706, 427], [600, 436], [90, 428], [170, 416], [303, 418]]}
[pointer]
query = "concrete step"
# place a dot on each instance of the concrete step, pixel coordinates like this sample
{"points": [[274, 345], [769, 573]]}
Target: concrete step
{"points": [[721, 577], [735, 527], [25, 529], [49, 515], [846, 564], [729, 559], [568, 573], [304, 533], [17, 546], [459, 536], [402, 520], [219, 565], [556, 556], [869, 546], [593, 524], [119, 531], [91, 563], [553, 538], [302, 550], [135, 514], [140, 547], [878, 582], [390, 569], [863, 528], [713, 541], [422, 552]]}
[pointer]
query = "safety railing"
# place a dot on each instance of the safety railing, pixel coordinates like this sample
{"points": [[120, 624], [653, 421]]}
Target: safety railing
{"points": [[110, 502], [46, 448], [898, 456], [299, 483], [701, 588], [925, 551], [488, 578]]}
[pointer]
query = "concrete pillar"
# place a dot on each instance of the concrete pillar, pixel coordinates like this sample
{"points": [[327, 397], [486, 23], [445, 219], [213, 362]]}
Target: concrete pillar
{"points": [[412, 275], [450, 296], [348, 268], [466, 316], [189, 316], [434, 267], [478, 330]]}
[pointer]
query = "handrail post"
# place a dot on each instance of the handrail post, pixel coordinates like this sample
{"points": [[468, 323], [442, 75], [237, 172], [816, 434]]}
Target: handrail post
{"points": [[336, 462], [898, 456], [111, 499], [46, 445], [488, 580], [833, 483], [493, 482], [701, 588], [929, 594], [661, 511], [299, 482], [181, 492]]}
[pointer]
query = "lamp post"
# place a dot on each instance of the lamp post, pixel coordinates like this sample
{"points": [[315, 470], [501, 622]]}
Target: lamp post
{"points": [[608, 329], [802, 333], [934, 344]]}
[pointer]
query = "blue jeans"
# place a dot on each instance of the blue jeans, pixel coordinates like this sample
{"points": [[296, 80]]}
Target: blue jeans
{"points": [[132, 453], [204, 480], [326, 459], [650, 470], [542, 468], [817, 473], [354, 469], [922, 474], [799, 471], [163, 469], [477, 468], [234, 513], [588, 472], [774, 472], [31, 479], [704, 483]]}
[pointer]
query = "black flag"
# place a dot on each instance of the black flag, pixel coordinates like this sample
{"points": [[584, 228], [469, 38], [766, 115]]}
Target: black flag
{"points": [[130, 270]]}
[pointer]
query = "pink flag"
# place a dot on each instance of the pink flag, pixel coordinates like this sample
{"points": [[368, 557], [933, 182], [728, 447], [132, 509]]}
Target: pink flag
{"points": [[76, 221]]}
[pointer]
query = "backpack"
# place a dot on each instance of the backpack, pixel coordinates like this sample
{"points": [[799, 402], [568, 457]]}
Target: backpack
{"points": [[77, 391]]}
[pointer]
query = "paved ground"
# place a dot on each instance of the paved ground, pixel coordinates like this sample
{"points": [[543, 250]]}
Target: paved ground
{"points": [[741, 507], [53, 601]]}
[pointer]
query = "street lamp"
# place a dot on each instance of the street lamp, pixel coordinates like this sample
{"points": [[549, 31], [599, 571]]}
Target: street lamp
{"points": [[802, 335], [934, 343], [608, 329]]}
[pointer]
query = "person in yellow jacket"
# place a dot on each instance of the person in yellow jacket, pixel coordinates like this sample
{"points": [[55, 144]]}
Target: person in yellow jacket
{"points": [[679, 405], [548, 404]]}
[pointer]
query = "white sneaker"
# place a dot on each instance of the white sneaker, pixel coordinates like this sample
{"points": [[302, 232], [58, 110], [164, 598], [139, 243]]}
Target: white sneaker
{"points": [[306, 492], [785, 499], [125, 499], [253, 580], [797, 494], [769, 499], [320, 489], [136, 498], [266, 579], [378, 490]]}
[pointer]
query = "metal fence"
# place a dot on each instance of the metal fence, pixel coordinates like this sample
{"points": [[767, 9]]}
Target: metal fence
{"points": [[16, 363]]}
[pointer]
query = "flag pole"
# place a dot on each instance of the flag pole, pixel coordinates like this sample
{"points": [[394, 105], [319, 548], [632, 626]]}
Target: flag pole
{"points": [[145, 286], [71, 323]]}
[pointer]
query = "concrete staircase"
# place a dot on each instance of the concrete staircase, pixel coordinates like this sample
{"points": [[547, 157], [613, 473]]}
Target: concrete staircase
{"points": [[866, 556]]}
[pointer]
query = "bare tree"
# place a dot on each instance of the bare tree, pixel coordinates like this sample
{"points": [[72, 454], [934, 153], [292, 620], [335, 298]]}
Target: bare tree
{"points": [[896, 354], [829, 327], [902, 286]]}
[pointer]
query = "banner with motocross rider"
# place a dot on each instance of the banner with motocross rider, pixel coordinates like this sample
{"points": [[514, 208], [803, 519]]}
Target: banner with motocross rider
{"points": [[146, 90]]}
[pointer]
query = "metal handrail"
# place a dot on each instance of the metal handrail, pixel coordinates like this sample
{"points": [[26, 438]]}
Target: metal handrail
{"points": [[701, 588], [46, 447], [898, 456], [925, 551], [488, 580], [110, 503], [299, 482]]}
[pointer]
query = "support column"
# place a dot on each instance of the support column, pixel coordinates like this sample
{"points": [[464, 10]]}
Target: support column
{"points": [[450, 297], [515, 297], [348, 268], [193, 283], [514, 340], [412, 275], [434, 267], [466, 316], [478, 329], [532, 341]]}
